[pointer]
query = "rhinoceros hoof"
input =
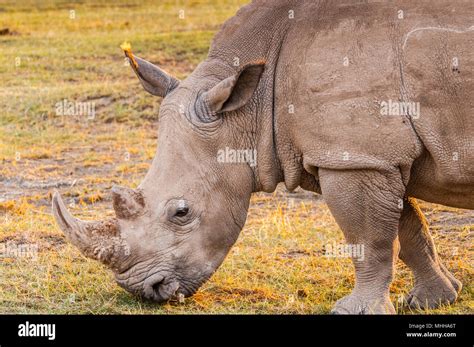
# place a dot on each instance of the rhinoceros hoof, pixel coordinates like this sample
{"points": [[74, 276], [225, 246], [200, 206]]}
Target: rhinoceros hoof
{"points": [[433, 294], [357, 304]]}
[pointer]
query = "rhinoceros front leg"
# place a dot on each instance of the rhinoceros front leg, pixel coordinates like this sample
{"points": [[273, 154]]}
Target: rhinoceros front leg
{"points": [[366, 205], [434, 284]]}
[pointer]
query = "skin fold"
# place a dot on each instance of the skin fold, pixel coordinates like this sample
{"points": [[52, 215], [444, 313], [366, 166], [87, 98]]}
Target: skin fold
{"points": [[302, 84]]}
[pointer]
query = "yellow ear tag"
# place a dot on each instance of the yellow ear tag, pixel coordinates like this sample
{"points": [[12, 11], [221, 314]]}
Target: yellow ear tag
{"points": [[127, 49]]}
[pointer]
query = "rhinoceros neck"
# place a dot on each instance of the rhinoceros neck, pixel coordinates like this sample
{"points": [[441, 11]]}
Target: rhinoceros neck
{"points": [[257, 32]]}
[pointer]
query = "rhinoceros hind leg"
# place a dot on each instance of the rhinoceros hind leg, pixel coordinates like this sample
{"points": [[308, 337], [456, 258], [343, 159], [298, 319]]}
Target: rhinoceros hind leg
{"points": [[434, 284]]}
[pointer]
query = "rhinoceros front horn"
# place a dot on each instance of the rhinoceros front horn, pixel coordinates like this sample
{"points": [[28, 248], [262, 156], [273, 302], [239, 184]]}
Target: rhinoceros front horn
{"points": [[97, 240]]}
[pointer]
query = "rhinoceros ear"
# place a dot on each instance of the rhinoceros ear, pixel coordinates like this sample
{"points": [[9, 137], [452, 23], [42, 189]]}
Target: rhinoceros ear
{"points": [[153, 79], [235, 91]]}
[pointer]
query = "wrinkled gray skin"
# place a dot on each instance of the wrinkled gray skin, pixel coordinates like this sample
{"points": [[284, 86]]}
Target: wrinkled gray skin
{"points": [[314, 118]]}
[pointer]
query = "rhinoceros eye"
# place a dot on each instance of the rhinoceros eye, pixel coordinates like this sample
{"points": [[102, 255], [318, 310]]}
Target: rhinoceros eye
{"points": [[181, 211]]}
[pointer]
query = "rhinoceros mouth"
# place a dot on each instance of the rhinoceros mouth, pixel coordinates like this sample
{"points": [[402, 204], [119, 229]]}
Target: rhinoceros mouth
{"points": [[159, 287], [155, 288]]}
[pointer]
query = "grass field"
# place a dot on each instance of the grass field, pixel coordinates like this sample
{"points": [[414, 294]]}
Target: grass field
{"points": [[58, 50]]}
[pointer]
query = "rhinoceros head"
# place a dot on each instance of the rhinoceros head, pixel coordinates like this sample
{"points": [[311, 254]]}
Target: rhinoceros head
{"points": [[171, 233]]}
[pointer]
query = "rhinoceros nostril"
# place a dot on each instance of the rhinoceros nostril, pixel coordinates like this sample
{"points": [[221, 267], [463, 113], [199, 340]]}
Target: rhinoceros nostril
{"points": [[166, 290], [151, 287], [156, 287]]}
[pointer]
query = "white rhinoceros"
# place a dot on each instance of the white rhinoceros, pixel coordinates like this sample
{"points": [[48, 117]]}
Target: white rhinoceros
{"points": [[368, 104]]}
